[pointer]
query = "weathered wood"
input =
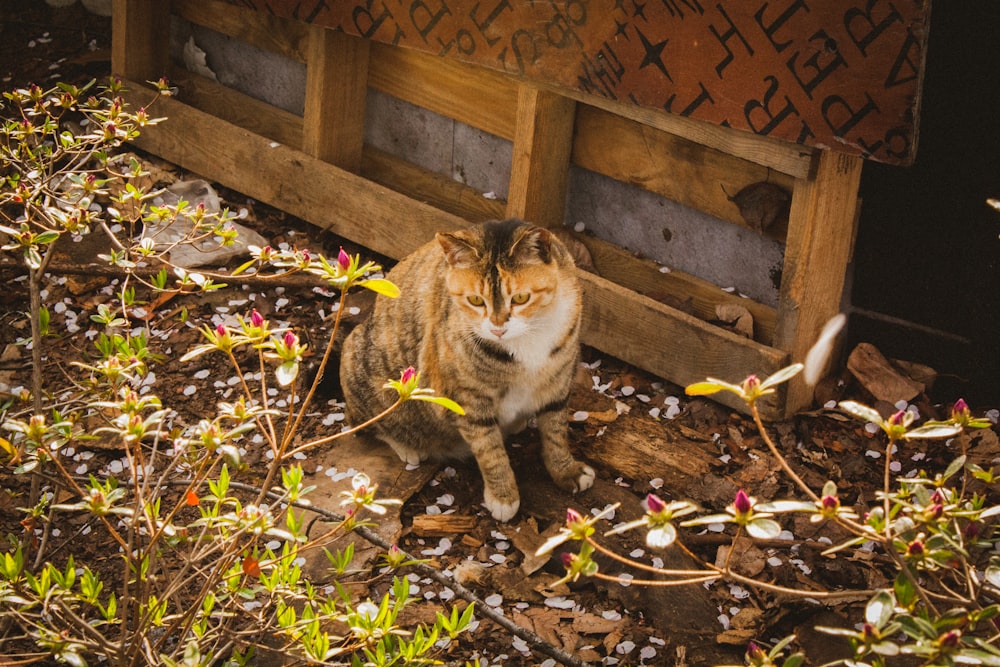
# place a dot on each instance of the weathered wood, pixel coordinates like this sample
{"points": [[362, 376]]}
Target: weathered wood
{"points": [[261, 29], [645, 277], [287, 178], [840, 74], [699, 177], [472, 95], [336, 84], [781, 156], [820, 231], [429, 187], [269, 121], [672, 344], [543, 141], [237, 108], [442, 525], [139, 38]]}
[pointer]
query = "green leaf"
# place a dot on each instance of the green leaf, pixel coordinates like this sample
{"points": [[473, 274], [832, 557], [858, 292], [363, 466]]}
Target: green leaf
{"points": [[381, 286], [780, 506], [932, 431], [764, 529], [906, 594], [286, 373], [782, 375], [442, 401], [706, 388], [879, 609], [861, 411]]}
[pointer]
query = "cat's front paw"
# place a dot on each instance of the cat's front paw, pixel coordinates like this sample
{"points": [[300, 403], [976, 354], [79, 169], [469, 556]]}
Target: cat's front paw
{"points": [[585, 478], [502, 510]]}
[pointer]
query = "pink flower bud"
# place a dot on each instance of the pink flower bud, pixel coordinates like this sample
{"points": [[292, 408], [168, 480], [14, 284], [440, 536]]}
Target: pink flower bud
{"points": [[915, 548], [290, 339], [950, 639], [305, 255], [256, 319], [655, 503], [343, 260], [898, 418], [408, 375], [567, 559], [572, 516], [830, 503], [221, 329], [742, 502]]}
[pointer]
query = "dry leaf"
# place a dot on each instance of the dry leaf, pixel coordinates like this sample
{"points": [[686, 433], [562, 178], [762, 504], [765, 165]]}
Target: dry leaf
{"points": [[737, 317], [763, 205]]}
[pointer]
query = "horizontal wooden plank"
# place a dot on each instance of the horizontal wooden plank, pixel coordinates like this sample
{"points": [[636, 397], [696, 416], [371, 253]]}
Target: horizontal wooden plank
{"points": [[686, 172], [672, 344], [261, 118], [237, 108], [429, 187], [472, 95], [787, 158], [287, 178], [699, 297], [261, 29]]}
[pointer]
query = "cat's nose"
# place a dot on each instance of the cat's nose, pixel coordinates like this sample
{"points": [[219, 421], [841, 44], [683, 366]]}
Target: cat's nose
{"points": [[498, 332]]}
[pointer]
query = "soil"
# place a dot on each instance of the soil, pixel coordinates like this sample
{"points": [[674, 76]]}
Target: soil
{"points": [[642, 435]]}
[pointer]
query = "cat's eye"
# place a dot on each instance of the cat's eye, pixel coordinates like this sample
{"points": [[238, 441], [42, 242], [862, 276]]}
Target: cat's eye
{"points": [[520, 298], [476, 300]]}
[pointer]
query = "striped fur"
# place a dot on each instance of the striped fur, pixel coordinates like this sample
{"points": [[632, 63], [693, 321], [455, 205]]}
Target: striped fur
{"points": [[490, 316]]}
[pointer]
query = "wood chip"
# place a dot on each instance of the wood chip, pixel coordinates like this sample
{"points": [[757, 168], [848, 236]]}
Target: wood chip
{"points": [[879, 377], [442, 525]]}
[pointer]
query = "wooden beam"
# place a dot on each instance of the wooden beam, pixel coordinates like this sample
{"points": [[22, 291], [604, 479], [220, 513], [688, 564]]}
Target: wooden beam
{"points": [[700, 297], [672, 344], [476, 96], [820, 232], [674, 167], [336, 86], [237, 108], [543, 141], [429, 187], [139, 36], [287, 178], [261, 29]]}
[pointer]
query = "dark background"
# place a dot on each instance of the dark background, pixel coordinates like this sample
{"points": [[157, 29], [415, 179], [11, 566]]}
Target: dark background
{"points": [[928, 243]]}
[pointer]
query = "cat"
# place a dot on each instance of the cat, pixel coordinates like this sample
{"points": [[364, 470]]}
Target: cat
{"points": [[490, 316]]}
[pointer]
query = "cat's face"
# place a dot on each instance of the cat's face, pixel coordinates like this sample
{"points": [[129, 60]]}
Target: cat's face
{"points": [[503, 286]]}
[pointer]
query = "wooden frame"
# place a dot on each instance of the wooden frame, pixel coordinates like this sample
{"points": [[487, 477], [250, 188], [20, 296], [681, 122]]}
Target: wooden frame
{"points": [[315, 167]]}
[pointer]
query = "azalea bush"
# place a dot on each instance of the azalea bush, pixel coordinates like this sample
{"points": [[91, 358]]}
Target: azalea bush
{"points": [[936, 530], [206, 563]]}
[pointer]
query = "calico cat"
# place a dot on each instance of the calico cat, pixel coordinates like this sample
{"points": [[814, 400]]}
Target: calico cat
{"points": [[490, 316]]}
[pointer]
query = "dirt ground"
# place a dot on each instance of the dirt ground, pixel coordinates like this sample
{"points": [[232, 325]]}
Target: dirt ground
{"points": [[641, 434]]}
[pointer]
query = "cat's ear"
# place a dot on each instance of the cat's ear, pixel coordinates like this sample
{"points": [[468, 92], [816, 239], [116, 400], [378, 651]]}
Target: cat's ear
{"points": [[532, 245], [458, 249]]}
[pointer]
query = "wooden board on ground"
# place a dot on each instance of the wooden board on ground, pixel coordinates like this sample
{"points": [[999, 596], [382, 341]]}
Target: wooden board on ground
{"points": [[384, 468]]}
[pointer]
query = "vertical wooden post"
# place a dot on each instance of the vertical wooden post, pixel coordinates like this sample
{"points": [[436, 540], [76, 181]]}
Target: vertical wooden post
{"points": [[817, 251], [543, 141], [336, 85], [140, 34]]}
